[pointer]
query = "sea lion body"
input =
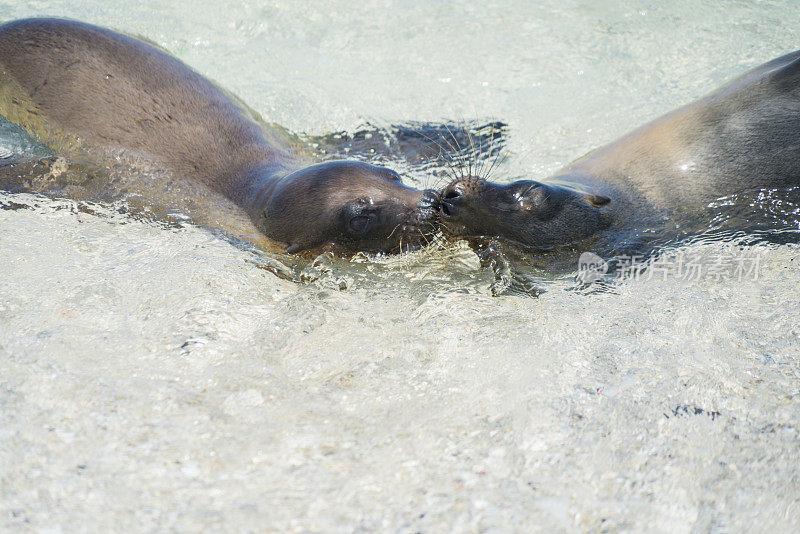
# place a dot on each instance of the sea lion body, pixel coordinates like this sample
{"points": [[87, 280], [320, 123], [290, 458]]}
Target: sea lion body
{"points": [[742, 137], [88, 89]]}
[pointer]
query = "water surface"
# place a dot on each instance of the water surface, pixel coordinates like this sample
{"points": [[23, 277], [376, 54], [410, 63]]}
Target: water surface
{"points": [[154, 377]]}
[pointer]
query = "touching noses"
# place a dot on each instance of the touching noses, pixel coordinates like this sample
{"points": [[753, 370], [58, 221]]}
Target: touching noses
{"points": [[452, 196]]}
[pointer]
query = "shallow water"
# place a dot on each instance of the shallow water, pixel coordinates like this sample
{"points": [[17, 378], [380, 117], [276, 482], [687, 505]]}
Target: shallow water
{"points": [[155, 377]]}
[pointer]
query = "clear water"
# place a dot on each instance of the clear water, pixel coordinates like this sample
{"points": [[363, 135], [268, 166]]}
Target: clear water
{"points": [[155, 378]]}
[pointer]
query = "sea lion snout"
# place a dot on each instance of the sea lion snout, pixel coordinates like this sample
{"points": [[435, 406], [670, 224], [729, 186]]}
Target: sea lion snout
{"points": [[425, 215], [528, 213], [428, 205], [356, 206], [456, 193], [451, 197]]}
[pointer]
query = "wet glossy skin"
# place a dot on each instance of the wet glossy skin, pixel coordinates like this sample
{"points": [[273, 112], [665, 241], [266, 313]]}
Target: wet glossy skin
{"points": [[352, 205], [108, 93], [661, 178], [526, 213]]}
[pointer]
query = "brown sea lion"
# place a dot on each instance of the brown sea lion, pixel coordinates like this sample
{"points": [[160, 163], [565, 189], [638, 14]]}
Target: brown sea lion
{"points": [[93, 93], [655, 183]]}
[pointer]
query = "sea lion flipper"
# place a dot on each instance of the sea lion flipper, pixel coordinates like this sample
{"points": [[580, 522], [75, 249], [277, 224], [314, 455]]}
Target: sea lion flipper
{"points": [[426, 140], [290, 273], [515, 283], [507, 278], [416, 142]]}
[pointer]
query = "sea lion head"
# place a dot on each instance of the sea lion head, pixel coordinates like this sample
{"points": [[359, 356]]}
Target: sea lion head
{"points": [[350, 205], [525, 213]]}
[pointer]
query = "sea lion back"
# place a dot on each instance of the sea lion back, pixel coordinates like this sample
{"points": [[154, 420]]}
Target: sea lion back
{"points": [[115, 91], [740, 137]]}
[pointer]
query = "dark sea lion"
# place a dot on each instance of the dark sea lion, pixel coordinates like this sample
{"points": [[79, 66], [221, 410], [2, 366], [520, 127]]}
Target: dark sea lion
{"points": [[84, 90], [655, 183]]}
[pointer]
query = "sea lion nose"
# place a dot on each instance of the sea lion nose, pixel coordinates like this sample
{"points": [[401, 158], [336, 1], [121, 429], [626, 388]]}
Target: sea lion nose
{"points": [[430, 199], [428, 203], [451, 196]]}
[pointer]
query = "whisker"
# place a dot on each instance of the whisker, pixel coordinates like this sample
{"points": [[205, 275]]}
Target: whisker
{"points": [[460, 150], [492, 155], [429, 249], [442, 152], [428, 243], [457, 161], [472, 150], [394, 230], [480, 152], [502, 158], [457, 150], [491, 151], [441, 179]]}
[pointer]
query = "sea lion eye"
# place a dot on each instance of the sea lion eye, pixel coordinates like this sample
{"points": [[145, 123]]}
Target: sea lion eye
{"points": [[526, 193], [531, 192], [530, 196], [359, 224]]}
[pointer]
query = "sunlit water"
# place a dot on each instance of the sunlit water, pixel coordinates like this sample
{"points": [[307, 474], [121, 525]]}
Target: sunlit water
{"points": [[154, 377]]}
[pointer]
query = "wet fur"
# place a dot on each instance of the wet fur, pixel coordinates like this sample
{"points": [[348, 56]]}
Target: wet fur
{"points": [[92, 93], [740, 138]]}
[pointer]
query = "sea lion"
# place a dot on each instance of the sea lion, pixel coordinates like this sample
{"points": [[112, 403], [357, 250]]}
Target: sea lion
{"points": [[655, 183], [86, 90]]}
